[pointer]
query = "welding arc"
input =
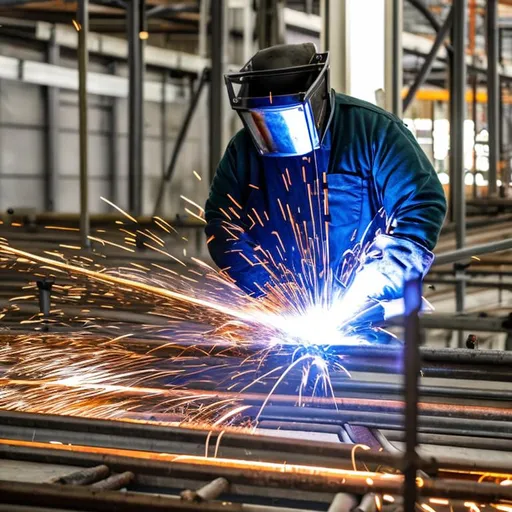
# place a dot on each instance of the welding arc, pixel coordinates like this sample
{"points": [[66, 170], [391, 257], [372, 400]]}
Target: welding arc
{"points": [[154, 290]]}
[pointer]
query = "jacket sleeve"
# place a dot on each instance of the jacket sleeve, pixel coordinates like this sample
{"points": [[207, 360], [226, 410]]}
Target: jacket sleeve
{"points": [[229, 243], [414, 200]]}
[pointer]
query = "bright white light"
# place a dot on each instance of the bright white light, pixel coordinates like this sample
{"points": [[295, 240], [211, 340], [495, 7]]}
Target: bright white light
{"points": [[468, 179], [441, 138], [366, 60], [444, 178]]}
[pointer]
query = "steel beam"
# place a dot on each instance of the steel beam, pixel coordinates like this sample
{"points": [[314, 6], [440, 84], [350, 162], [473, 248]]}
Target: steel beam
{"points": [[135, 25], [216, 114], [429, 60], [83, 60], [493, 94]]}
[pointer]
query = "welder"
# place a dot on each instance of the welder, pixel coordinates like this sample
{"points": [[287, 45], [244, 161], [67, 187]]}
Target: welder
{"points": [[296, 126]]}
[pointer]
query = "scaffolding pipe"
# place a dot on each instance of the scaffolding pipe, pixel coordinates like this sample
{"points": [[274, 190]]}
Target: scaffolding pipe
{"points": [[493, 94]]}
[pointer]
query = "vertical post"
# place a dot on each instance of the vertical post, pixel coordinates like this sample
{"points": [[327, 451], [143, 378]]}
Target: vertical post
{"points": [[412, 365], [83, 58], [457, 117], [204, 10], [113, 177], [324, 16], [135, 13], [493, 94], [216, 119], [248, 30], [52, 131], [337, 35], [393, 56], [163, 125]]}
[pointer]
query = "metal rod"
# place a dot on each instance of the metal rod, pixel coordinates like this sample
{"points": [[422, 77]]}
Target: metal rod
{"points": [[83, 59], [429, 60], [115, 481], [83, 476], [52, 130], [412, 302], [210, 491], [135, 107], [216, 84], [467, 252], [343, 502], [457, 118], [493, 94], [179, 141], [113, 177]]}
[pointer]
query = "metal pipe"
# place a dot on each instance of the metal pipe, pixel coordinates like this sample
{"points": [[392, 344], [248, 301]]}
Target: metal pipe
{"points": [[113, 176], [216, 84], [52, 130], [457, 117], [83, 476], [393, 54], [83, 60], [412, 302], [135, 106], [429, 60], [493, 94], [461, 254], [115, 482], [343, 502], [211, 491]]}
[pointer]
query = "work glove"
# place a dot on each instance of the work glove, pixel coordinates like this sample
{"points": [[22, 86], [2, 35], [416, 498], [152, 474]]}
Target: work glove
{"points": [[379, 279]]}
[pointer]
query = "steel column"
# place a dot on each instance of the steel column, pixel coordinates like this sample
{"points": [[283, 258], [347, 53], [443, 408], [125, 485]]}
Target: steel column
{"points": [[393, 55], [216, 84], [52, 131], [493, 94], [135, 24], [429, 60], [83, 61], [457, 117]]}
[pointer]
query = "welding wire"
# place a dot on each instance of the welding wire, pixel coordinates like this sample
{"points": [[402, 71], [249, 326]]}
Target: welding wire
{"points": [[115, 482], [210, 491], [344, 502], [83, 477]]}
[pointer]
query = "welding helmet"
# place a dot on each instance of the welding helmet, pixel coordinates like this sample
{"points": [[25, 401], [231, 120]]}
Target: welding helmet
{"points": [[282, 96]]}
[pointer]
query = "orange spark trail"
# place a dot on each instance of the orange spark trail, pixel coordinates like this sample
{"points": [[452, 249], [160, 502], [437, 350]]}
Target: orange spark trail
{"points": [[154, 290]]}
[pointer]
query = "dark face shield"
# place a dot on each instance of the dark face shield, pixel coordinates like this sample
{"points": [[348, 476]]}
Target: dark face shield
{"points": [[289, 123]]}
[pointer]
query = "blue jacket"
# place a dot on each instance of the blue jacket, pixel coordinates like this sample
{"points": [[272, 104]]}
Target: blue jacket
{"points": [[372, 164]]}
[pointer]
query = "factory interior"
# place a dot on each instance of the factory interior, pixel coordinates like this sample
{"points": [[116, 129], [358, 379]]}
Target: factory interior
{"points": [[256, 255]]}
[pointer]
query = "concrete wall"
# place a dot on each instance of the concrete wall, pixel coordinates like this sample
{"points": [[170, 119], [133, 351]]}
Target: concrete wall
{"points": [[23, 147]]}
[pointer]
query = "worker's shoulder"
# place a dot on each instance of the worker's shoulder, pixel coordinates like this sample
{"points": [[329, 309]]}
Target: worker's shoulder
{"points": [[364, 108]]}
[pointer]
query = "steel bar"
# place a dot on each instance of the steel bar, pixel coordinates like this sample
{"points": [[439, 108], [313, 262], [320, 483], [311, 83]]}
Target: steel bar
{"points": [[166, 178], [84, 476], [343, 502], [114, 146], [216, 111], [457, 118], [83, 59], [429, 60], [196, 437], [412, 301], [314, 479], [211, 491], [393, 56], [493, 93], [461, 254], [52, 131], [115, 482], [135, 106]]}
